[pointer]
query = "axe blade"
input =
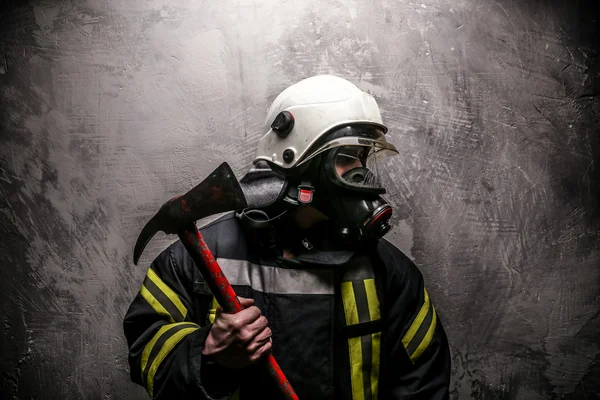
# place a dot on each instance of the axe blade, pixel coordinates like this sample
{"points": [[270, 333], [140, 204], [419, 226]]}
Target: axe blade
{"points": [[219, 192]]}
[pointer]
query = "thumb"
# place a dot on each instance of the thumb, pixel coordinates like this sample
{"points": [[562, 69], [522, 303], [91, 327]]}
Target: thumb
{"points": [[245, 302]]}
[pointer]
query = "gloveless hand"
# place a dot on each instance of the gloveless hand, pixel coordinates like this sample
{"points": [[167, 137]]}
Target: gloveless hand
{"points": [[240, 339]]}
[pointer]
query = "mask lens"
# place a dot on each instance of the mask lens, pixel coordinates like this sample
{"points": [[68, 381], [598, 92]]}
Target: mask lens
{"points": [[357, 166], [351, 157]]}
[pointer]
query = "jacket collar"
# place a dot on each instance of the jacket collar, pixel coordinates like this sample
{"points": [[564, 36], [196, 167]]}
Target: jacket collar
{"points": [[316, 258]]}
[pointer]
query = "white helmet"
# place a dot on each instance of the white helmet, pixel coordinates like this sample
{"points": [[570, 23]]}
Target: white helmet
{"points": [[308, 110]]}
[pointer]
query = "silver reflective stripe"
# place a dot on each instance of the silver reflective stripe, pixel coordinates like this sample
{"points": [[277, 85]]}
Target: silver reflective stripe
{"points": [[277, 280]]}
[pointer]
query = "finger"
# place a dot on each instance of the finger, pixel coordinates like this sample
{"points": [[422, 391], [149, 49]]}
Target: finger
{"points": [[260, 340], [256, 345], [218, 312], [258, 326], [245, 302], [263, 351], [249, 333], [243, 318], [263, 335]]}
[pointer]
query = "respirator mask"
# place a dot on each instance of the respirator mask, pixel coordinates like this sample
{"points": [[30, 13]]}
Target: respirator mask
{"points": [[347, 181]]}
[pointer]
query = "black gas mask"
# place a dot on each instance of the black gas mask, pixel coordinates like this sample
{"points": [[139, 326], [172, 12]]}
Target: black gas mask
{"points": [[350, 178], [344, 175]]}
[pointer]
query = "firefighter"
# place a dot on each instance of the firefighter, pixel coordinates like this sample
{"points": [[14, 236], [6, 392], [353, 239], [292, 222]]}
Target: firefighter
{"points": [[345, 313]]}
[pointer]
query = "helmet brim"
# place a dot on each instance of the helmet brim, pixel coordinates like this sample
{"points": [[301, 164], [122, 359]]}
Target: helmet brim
{"points": [[379, 144]]}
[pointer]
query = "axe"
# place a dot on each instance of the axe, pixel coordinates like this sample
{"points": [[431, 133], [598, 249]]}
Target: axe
{"points": [[219, 192]]}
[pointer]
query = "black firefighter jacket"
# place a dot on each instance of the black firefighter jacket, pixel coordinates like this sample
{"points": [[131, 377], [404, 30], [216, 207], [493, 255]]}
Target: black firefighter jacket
{"points": [[345, 325]]}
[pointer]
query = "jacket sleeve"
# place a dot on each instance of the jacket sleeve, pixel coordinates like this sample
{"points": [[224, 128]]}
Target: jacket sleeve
{"points": [[418, 350], [165, 338]]}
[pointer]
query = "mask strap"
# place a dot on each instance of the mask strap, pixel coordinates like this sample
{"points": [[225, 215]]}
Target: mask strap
{"points": [[256, 219]]}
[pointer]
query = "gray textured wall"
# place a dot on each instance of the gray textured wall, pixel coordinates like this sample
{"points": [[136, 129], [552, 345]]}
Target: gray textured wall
{"points": [[108, 108]]}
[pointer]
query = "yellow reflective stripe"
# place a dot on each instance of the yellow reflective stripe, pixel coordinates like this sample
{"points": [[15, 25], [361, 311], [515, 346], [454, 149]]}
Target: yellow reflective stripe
{"points": [[372, 299], [213, 311], [427, 339], [164, 351], [375, 366], [150, 345], [356, 370], [375, 314], [351, 293], [354, 344], [167, 291], [236, 395], [414, 327], [155, 304], [349, 303]]}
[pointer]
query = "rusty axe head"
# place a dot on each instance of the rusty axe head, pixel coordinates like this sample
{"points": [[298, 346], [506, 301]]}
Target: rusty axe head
{"points": [[219, 192]]}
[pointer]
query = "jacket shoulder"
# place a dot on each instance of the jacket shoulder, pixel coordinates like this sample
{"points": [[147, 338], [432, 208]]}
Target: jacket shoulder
{"points": [[223, 236], [399, 268]]}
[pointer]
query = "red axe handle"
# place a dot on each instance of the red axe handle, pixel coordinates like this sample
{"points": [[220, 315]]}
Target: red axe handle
{"points": [[219, 285]]}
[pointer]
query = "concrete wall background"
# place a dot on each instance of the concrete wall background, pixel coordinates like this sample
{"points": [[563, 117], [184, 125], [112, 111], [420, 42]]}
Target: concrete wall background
{"points": [[108, 108]]}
